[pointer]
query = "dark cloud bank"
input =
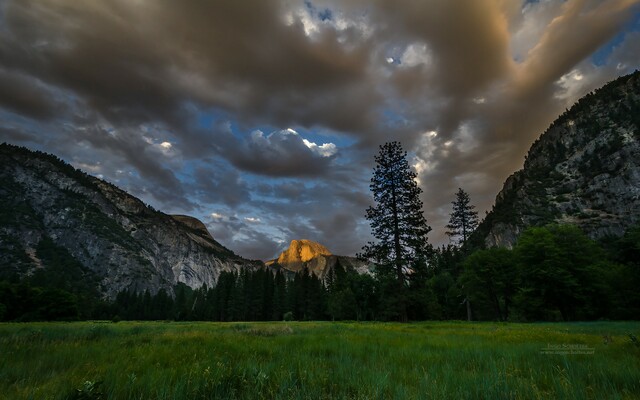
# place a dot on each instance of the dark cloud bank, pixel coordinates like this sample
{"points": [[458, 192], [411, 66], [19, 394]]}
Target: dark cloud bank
{"points": [[262, 118]]}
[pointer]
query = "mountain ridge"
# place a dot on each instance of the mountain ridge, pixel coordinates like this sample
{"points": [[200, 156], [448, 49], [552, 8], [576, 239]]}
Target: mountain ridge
{"points": [[121, 241], [583, 170]]}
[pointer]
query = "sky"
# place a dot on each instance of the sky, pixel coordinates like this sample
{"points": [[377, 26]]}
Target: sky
{"points": [[262, 118]]}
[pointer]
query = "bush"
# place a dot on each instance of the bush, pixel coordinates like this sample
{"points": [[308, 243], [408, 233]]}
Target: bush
{"points": [[288, 316]]}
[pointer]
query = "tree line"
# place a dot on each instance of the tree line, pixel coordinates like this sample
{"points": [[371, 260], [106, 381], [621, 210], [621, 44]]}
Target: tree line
{"points": [[553, 273]]}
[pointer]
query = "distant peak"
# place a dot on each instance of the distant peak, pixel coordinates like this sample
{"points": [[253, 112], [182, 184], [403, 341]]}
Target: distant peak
{"points": [[302, 250]]}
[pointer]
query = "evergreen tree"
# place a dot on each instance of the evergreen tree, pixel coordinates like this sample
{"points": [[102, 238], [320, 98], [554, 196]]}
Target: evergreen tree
{"points": [[464, 220], [279, 297], [396, 221]]}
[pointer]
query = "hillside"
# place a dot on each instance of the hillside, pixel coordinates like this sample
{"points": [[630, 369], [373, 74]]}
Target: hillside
{"points": [[52, 214], [584, 170]]}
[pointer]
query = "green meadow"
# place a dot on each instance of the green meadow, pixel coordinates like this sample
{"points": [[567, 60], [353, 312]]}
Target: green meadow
{"points": [[319, 360]]}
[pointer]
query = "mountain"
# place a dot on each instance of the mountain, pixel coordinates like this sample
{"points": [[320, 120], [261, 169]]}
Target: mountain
{"points": [[316, 258], [584, 170], [50, 211]]}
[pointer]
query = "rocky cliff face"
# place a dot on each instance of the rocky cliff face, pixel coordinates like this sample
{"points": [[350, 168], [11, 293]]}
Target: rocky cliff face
{"points": [[584, 170], [120, 241], [316, 258], [301, 252]]}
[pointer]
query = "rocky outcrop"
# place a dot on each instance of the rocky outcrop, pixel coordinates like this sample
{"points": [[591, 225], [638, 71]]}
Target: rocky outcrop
{"points": [[315, 258], [584, 170], [122, 243], [303, 252]]}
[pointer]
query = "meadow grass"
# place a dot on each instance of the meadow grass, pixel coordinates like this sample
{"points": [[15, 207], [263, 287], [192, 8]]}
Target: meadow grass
{"points": [[319, 360]]}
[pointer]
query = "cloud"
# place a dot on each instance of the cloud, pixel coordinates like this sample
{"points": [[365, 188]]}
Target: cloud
{"points": [[566, 42], [280, 153], [15, 135], [219, 184], [244, 239], [324, 150], [191, 105], [154, 177], [24, 95]]}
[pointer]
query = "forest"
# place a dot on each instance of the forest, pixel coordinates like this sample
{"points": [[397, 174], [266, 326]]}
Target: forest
{"points": [[554, 273]]}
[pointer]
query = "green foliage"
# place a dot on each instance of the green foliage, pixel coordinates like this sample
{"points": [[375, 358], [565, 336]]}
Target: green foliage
{"points": [[622, 275], [554, 273], [317, 360], [28, 303], [490, 279], [60, 289], [559, 270], [351, 296]]}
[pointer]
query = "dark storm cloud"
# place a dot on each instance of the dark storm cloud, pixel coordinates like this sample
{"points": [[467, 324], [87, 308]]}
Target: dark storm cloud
{"points": [[467, 38], [90, 50], [140, 62], [22, 95], [340, 231], [219, 184], [465, 85], [15, 135]]}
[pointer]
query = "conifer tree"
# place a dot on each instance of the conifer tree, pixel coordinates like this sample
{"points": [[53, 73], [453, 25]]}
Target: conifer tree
{"points": [[396, 221], [464, 220]]}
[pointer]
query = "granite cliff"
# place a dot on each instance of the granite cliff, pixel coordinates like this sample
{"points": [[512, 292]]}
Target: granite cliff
{"points": [[316, 258], [120, 242], [584, 170]]}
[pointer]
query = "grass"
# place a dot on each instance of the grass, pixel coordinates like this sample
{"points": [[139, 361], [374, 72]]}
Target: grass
{"points": [[318, 360]]}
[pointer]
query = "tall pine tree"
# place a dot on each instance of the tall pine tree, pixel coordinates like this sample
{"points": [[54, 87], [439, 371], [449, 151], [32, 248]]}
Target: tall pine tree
{"points": [[396, 221], [464, 220]]}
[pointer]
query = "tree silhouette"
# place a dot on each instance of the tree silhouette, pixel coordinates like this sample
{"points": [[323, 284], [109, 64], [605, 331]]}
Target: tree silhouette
{"points": [[396, 222], [464, 220]]}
